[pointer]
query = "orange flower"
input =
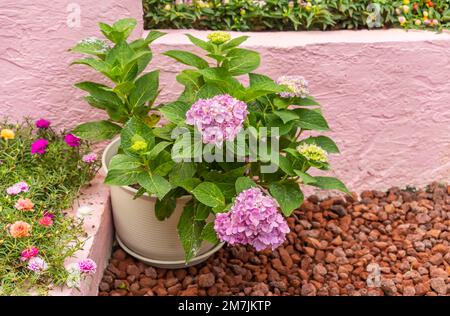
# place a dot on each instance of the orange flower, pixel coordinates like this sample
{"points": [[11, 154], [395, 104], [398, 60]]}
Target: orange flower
{"points": [[24, 205], [20, 229]]}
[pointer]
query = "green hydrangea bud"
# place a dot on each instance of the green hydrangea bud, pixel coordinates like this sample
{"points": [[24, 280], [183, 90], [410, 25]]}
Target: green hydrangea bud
{"points": [[219, 37], [139, 145], [313, 152]]}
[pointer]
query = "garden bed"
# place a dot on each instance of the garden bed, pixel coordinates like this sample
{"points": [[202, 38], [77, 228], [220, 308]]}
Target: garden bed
{"points": [[335, 247]]}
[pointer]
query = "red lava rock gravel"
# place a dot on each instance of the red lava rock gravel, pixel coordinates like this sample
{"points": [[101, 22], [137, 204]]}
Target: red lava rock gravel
{"points": [[336, 247]]}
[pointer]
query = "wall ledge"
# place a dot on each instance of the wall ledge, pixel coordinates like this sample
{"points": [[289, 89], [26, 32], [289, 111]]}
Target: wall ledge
{"points": [[99, 228], [302, 38]]}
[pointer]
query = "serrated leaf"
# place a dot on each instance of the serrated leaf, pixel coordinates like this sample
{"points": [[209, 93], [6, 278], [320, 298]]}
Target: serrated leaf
{"points": [[306, 178], [311, 120], [241, 61], [175, 112], [189, 231], [146, 89], [123, 176], [187, 58], [244, 183], [209, 234], [122, 162], [330, 183], [154, 184], [325, 142], [286, 115], [97, 131], [209, 194], [288, 195]]}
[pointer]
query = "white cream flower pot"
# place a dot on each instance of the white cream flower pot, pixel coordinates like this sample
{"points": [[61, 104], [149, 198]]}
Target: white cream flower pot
{"points": [[140, 233]]}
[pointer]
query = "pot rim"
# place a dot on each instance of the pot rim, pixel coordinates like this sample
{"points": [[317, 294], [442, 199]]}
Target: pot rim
{"points": [[127, 187]]}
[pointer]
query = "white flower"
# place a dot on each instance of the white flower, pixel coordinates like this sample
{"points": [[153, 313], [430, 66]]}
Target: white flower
{"points": [[84, 211], [74, 277]]}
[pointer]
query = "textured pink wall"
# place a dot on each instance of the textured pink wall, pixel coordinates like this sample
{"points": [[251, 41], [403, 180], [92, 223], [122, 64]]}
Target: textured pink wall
{"points": [[385, 93], [36, 79]]}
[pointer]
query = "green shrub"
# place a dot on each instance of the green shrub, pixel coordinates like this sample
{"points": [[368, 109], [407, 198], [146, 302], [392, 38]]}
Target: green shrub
{"points": [[283, 15]]}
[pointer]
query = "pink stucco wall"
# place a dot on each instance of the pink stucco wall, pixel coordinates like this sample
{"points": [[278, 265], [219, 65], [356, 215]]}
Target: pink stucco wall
{"points": [[36, 79], [385, 93]]}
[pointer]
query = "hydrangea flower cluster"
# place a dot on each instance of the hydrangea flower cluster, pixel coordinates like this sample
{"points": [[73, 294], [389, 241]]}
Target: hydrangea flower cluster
{"points": [[253, 220], [17, 188], [219, 37], [37, 264], [297, 85], [218, 119], [313, 152]]}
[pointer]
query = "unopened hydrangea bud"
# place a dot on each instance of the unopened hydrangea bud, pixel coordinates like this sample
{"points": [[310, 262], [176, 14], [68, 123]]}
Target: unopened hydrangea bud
{"points": [[139, 145], [219, 37], [313, 152]]}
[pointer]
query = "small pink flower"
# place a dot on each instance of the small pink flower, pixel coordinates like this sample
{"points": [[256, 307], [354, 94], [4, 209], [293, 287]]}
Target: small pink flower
{"points": [[29, 253], [24, 205], [42, 124], [39, 146], [87, 266], [46, 221], [37, 264], [17, 188], [72, 141], [13, 190], [89, 158]]}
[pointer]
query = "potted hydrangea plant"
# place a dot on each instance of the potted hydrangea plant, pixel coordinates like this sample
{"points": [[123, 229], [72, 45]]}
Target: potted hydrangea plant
{"points": [[227, 164]]}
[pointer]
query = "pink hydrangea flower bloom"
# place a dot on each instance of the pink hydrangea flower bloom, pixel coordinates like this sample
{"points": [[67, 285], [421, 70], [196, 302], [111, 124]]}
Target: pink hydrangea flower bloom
{"points": [[37, 264], [253, 220], [89, 158], [297, 85], [39, 146], [217, 119], [87, 266], [71, 140], [42, 124], [29, 253]]}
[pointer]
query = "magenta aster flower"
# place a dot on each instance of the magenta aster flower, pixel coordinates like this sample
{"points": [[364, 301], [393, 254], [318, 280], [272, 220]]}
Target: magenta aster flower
{"points": [[42, 124], [218, 119], [253, 220], [87, 266], [37, 264], [29, 253], [89, 158], [39, 146], [72, 141], [17, 188]]}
